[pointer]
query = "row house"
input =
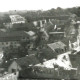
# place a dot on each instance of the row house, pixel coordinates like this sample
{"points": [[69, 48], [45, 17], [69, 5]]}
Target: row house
{"points": [[12, 38]]}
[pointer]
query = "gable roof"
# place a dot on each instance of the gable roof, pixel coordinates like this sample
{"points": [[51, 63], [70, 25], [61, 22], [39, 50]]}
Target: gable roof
{"points": [[22, 62], [27, 61], [56, 45]]}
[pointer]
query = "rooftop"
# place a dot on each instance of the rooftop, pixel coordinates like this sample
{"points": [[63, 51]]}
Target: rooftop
{"points": [[16, 18], [23, 62], [56, 45], [28, 60], [12, 36]]}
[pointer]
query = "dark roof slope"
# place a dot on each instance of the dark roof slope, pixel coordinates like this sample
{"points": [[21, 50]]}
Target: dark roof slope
{"points": [[5, 65], [12, 36], [28, 60], [75, 60], [23, 62]]}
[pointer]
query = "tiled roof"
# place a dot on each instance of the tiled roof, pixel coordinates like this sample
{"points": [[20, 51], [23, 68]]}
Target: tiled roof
{"points": [[28, 60], [56, 45], [12, 36], [22, 62], [61, 44]]}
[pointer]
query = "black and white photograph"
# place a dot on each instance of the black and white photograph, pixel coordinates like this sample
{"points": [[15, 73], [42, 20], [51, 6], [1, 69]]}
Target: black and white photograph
{"points": [[39, 39]]}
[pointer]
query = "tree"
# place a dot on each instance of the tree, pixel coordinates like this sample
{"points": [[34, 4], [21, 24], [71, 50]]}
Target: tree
{"points": [[11, 52]]}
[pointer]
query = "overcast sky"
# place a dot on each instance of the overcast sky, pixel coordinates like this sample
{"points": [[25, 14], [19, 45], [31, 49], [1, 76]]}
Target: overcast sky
{"points": [[6, 5]]}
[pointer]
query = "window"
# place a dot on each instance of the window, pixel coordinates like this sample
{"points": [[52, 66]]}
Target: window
{"points": [[2, 43], [13, 70], [6, 42], [65, 58]]}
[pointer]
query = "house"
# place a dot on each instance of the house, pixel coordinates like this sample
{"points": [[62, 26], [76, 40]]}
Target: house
{"points": [[20, 63], [52, 50], [58, 47], [32, 35], [15, 19], [74, 45], [56, 36], [57, 32], [55, 53], [8, 25], [61, 68], [62, 61], [12, 38], [75, 61]]}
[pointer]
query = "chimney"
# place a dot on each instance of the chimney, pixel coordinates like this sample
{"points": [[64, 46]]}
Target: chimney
{"points": [[55, 27]]}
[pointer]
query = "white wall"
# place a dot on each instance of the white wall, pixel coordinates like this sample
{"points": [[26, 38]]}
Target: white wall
{"points": [[15, 66]]}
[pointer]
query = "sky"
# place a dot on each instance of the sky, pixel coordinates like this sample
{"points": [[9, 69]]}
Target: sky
{"points": [[6, 5]]}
